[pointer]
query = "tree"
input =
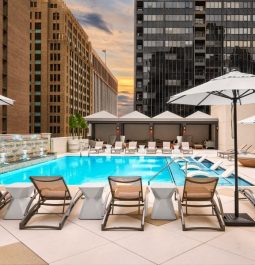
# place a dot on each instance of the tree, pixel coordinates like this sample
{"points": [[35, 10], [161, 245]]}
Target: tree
{"points": [[82, 125], [73, 124]]}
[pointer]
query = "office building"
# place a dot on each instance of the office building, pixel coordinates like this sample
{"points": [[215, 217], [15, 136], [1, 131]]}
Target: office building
{"points": [[60, 66], [181, 44], [14, 65], [104, 87], [66, 76]]}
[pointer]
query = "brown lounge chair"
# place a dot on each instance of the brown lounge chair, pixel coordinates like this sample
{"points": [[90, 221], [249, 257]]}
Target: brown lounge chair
{"points": [[5, 198], [51, 191], [126, 192], [201, 191]]}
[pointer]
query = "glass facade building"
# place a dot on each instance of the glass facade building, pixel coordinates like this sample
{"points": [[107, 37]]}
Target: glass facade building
{"points": [[181, 44]]}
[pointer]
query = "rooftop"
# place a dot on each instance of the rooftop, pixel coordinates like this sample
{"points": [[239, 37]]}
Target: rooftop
{"points": [[83, 242]]}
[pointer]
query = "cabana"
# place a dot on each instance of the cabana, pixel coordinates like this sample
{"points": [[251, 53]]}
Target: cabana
{"points": [[200, 127], [167, 126], [163, 127], [135, 126], [103, 125]]}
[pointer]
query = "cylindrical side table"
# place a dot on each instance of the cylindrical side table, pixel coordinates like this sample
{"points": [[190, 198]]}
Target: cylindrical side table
{"points": [[93, 206], [163, 208], [20, 193]]}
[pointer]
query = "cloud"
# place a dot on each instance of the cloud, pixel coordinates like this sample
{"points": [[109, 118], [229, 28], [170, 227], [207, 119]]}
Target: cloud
{"points": [[125, 103], [94, 20]]}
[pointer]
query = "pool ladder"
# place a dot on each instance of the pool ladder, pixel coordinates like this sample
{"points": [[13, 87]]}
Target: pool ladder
{"points": [[168, 164]]}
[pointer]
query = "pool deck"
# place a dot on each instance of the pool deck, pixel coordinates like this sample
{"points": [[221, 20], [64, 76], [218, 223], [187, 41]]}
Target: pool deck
{"points": [[83, 242]]}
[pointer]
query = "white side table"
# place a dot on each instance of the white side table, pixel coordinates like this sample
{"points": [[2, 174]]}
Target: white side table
{"points": [[108, 148], [141, 149], [20, 193], [93, 206], [163, 208]]}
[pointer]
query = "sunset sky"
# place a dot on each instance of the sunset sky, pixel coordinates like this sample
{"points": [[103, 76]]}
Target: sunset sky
{"points": [[110, 25]]}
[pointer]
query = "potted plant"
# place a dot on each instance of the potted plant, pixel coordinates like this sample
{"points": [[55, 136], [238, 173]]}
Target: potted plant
{"points": [[73, 144]]}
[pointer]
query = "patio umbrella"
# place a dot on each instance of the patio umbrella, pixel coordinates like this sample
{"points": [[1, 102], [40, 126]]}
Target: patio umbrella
{"points": [[6, 101], [250, 120], [232, 88]]}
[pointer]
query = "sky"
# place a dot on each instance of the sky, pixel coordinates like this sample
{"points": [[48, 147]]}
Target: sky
{"points": [[110, 26]]}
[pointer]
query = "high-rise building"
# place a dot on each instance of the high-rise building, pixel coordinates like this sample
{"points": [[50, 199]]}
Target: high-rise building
{"points": [[14, 65], [104, 86], [65, 76], [181, 44], [60, 64]]}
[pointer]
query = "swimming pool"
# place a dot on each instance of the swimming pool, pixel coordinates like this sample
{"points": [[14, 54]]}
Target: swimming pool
{"points": [[77, 170]]}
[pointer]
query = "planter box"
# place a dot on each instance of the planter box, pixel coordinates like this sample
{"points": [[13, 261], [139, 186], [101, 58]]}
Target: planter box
{"points": [[73, 145]]}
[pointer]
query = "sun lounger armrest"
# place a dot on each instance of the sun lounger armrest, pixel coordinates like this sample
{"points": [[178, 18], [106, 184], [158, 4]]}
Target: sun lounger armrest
{"points": [[219, 202]]}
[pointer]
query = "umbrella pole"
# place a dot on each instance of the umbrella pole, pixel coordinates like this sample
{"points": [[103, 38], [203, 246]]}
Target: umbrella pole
{"points": [[236, 159], [236, 218]]}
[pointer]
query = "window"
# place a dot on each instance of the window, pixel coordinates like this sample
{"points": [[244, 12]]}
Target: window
{"points": [[153, 17], [153, 4], [38, 25], [38, 15], [55, 16]]}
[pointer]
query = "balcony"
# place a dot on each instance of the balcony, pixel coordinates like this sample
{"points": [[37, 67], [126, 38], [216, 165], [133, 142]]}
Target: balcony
{"points": [[199, 49]]}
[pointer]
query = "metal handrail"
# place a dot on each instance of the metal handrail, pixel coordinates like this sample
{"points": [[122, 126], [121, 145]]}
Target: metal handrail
{"points": [[166, 166]]}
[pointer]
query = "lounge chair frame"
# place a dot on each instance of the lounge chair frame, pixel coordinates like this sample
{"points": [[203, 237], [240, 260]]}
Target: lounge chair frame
{"points": [[216, 205], [68, 201], [187, 150], [248, 194], [5, 198], [115, 150], [166, 150], [151, 150], [115, 201], [131, 150]]}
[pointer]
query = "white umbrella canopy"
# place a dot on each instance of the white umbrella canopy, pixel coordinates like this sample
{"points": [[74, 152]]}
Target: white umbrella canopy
{"points": [[6, 101], [220, 91], [250, 120], [230, 89]]}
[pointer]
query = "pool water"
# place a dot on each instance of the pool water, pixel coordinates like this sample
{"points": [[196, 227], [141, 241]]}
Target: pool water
{"points": [[77, 170]]}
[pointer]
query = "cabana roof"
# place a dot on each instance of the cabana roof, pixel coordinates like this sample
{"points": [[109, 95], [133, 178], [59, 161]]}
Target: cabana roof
{"points": [[200, 116], [101, 116], [134, 116], [167, 116]]}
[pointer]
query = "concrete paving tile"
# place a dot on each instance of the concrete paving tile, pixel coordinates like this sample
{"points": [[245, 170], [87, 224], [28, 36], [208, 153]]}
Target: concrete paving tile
{"points": [[158, 245], [6, 238], [239, 242], [208, 255], [53, 245], [109, 254]]}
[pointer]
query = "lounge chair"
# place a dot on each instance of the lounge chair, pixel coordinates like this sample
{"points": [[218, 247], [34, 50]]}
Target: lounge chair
{"points": [[132, 147], [227, 173], [214, 166], [126, 192], [51, 191], [186, 148], [248, 194], [151, 148], [5, 198], [166, 148], [197, 173], [117, 149], [202, 158], [203, 192], [98, 147], [230, 152]]}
